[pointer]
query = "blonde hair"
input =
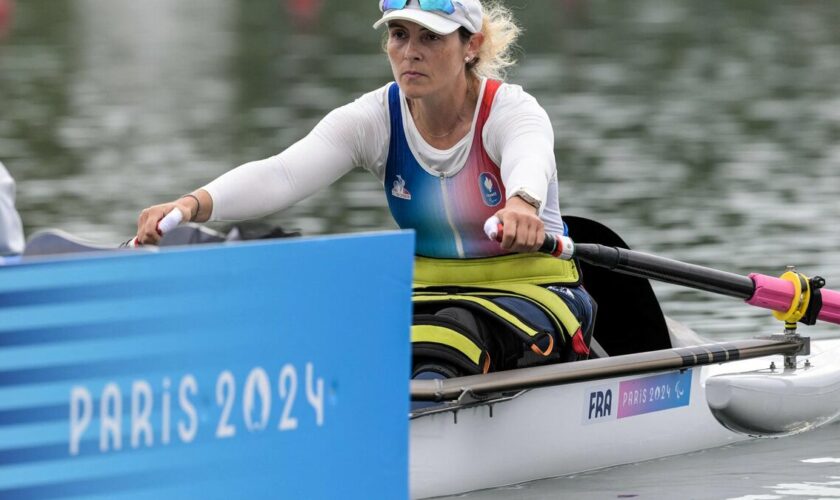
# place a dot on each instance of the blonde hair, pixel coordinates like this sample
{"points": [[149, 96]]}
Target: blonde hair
{"points": [[496, 54]]}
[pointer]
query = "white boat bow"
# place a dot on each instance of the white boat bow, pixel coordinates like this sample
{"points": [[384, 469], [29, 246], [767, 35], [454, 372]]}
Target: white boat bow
{"points": [[780, 401]]}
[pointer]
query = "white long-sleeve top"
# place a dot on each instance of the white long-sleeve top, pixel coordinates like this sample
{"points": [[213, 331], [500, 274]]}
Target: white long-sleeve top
{"points": [[517, 136], [11, 230]]}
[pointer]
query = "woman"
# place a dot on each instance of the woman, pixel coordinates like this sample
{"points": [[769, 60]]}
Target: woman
{"points": [[451, 144]]}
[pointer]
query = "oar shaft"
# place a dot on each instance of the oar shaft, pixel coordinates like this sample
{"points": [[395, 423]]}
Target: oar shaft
{"points": [[804, 301], [758, 290], [667, 270]]}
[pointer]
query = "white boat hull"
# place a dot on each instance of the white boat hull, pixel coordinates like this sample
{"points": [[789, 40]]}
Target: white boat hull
{"points": [[565, 429]]}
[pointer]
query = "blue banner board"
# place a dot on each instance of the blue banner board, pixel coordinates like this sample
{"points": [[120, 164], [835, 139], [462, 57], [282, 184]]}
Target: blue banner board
{"points": [[256, 370]]}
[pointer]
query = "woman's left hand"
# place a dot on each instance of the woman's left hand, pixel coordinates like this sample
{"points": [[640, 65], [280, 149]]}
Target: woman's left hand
{"points": [[524, 231]]}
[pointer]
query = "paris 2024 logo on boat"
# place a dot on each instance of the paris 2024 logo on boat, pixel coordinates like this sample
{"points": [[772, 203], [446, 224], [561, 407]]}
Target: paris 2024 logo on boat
{"points": [[490, 189], [636, 397]]}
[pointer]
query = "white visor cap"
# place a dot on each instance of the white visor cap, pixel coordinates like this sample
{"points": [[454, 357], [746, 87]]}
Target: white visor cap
{"points": [[468, 13]]}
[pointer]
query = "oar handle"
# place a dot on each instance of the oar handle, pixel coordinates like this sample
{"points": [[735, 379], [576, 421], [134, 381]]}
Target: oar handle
{"points": [[169, 222], [554, 244]]}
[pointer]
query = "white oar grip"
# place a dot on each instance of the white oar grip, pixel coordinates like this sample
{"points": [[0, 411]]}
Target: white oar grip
{"points": [[171, 221], [491, 228]]}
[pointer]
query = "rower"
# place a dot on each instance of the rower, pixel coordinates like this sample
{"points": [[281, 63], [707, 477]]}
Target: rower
{"points": [[453, 144], [11, 230]]}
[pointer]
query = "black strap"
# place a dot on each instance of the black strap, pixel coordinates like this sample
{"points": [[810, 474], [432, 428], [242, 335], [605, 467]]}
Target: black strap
{"points": [[815, 304]]}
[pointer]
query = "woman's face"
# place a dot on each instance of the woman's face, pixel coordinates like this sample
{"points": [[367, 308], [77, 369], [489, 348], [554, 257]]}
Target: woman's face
{"points": [[424, 62]]}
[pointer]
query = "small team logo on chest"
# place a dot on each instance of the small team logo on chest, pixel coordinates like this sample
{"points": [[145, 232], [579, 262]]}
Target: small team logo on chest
{"points": [[491, 189], [399, 190]]}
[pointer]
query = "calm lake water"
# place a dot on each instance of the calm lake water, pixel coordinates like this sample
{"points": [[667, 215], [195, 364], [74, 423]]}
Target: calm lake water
{"points": [[703, 130]]}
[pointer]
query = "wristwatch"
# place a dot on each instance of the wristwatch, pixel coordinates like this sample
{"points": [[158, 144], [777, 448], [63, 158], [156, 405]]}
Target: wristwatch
{"points": [[527, 198]]}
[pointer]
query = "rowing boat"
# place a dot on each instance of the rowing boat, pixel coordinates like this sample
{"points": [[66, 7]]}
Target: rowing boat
{"points": [[488, 440], [653, 389], [657, 388]]}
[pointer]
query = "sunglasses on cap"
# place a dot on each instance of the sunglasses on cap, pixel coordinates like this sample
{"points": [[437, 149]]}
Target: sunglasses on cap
{"points": [[445, 6]]}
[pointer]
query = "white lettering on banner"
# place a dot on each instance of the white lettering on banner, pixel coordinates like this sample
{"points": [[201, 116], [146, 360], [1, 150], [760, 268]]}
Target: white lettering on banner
{"points": [[646, 394], [81, 411], [110, 422], [257, 381], [289, 374], [166, 409], [140, 413], [315, 397], [225, 394], [256, 405], [187, 432]]}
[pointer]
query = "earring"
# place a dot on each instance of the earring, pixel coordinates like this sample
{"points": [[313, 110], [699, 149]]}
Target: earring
{"points": [[467, 59]]}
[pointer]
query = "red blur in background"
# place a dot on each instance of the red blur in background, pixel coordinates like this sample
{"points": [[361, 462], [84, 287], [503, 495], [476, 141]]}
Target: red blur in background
{"points": [[304, 12], [7, 9]]}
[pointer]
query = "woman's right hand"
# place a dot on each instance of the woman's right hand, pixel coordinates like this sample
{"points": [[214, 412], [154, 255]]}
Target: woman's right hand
{"points": [[147, 223]]}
